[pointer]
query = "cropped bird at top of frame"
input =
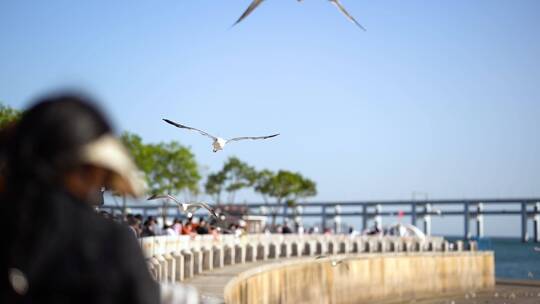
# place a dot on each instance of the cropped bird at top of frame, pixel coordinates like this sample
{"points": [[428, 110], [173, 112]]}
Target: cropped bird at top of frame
{"points": [[255, 3]]}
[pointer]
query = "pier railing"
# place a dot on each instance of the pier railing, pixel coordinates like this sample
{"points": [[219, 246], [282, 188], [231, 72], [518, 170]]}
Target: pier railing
{"points": [[177, 258], [368, 212]]}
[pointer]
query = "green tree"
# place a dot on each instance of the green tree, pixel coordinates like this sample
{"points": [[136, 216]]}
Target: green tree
{"points": [[214, 185], [286, 187], [169, 168], [263, 183], [174, 169], [8, 115], [234, 176]]}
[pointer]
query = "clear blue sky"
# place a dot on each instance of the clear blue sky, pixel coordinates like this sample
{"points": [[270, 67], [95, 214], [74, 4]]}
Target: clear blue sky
{"points": [[437, 96]]}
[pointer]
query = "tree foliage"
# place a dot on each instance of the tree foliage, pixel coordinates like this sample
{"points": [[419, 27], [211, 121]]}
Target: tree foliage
{"points": [[168, 167], [8, 115], [234, 176], [285, 186]]}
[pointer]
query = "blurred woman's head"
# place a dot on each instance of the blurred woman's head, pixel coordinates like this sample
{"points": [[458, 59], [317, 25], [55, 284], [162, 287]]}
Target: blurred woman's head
{"points": [[65, 142]]}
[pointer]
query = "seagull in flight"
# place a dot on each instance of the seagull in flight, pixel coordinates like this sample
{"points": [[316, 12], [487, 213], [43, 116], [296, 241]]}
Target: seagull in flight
{"points": [[335, 262], [218, 143], [255, 3], [186, 207]]}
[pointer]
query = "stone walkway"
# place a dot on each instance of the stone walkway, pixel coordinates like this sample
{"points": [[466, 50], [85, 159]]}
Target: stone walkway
{"points": [[211, 286]]}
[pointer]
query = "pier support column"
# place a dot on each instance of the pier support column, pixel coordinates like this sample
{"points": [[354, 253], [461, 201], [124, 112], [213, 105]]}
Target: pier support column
{"points": [[323, 219], [536, 222], [466, 220], [378, 217], [479, 220], [337, 219], [364, 217], [413, 214], [427, 219], [524, 235]]}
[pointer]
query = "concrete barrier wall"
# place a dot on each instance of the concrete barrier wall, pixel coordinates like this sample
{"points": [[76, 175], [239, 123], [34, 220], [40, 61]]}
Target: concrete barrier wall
{"points": [[177, 258], [364, 278]]}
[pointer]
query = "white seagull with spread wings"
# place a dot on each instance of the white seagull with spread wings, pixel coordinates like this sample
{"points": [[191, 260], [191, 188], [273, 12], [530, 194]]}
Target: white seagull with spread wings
{"points": [[255, 3], [218, 143], [186, 207]]}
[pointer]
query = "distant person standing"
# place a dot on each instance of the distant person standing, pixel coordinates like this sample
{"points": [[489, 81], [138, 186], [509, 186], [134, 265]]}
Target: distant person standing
{"points": [[56, 248]]}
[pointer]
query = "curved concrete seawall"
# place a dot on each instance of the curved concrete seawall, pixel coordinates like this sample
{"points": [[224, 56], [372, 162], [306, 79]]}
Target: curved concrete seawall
{"points": [[364, 278]]}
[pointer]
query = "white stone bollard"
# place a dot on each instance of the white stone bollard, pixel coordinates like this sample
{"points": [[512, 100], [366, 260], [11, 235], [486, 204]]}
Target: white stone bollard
{"points": [[218, 257], [261, 254], [319, 247], [197, 261], [459, 246], [273, 251], [228, 255], [179, 263], [188, 263], [171, 268], [285, 251], [240, 254], [207, 259], [251, 252]]}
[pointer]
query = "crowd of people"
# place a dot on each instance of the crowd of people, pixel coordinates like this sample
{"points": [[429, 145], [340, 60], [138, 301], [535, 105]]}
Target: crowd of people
{"points": [[151, 226], [157, 226]]}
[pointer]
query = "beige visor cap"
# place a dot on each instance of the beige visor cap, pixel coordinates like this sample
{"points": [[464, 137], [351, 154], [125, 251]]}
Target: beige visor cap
{"points": [[109, 153]]}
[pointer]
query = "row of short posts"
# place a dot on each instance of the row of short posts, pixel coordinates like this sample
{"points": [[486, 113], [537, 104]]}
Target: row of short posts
{"points": [[176, 259]]}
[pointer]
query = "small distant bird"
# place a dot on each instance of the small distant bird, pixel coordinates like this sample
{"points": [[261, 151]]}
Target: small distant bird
{"points": [[530, 275], [218, 143], [186, 207], [537, 249], [255, 3], [335, 262]]}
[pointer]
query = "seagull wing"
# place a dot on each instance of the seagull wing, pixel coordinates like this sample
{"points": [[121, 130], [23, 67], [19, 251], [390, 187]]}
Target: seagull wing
{"points": [[163, 196], [205, 206], [249, 10], [252, 137], [189, 128], [344, 11]]}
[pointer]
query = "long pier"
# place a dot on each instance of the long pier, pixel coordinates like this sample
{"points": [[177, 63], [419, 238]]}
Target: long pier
{"points": [[527, 209]]}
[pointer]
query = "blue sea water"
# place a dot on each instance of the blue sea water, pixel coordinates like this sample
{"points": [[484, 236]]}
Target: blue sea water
{"points": [[513, 259]]}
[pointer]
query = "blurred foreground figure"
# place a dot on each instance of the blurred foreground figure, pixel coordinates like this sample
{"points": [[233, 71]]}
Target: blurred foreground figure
{"points": [[55, 248]]}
